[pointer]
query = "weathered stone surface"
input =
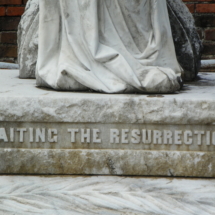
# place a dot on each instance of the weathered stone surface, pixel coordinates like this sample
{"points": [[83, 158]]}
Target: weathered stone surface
{"points": [[194, 105], [107, 162], [187, 42], [191, 109], [28, 40]]}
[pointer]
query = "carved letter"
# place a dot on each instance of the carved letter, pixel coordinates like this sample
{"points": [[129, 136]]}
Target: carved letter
{"points": [[40, 135], [146, 136], [208, 138], [11, 134], [135, 136], [125, 135], [213, 138], [85, 136], [96, 136], [157, 137], [3, 135], [187, 140], [199, 136], [52, 135], [21, 134], [73, 134], [177, 138], [114, 135], [167, 137], [31, 130]]}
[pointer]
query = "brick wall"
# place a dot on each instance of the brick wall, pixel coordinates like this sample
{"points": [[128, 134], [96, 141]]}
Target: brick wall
{"points": [[11, 10], [204, 14]]}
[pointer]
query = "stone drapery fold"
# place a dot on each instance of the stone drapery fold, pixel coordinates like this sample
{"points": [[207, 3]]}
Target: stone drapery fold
{"points": [[110, 46]]}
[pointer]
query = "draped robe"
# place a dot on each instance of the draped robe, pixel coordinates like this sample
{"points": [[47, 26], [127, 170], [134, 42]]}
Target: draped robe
{"points": [[110, 46]]}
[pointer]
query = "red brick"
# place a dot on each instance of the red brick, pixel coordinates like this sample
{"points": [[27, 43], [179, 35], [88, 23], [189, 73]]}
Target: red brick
{"points": [[9, 37], [210, 34], [8, 51], [209, 48], [15, 11], [191, 7], [205, 20], [205, 8], [9, 23], [2, 11], [10, 2]]}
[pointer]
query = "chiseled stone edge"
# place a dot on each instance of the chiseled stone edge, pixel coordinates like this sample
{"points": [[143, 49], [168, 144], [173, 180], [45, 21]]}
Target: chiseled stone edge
{"points": [[80, 108], [107, 162]]}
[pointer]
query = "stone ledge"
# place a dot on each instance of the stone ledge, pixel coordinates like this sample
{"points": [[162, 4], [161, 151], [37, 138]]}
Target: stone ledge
{"points": [[21, 101], [107, 162], [24, 106]]}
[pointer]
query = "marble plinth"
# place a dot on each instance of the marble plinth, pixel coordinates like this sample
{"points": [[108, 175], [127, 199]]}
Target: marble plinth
{"points": [[105, 195], [51, 132]]}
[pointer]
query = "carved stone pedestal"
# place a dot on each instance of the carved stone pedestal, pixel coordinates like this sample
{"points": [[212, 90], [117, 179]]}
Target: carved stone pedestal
{"points": [[49, 132]]}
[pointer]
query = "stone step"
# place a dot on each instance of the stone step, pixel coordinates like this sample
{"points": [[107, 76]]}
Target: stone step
{"points": [[43, 131]]}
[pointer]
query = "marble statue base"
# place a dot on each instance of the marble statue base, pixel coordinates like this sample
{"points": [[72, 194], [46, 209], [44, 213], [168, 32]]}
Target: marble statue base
{"points": [[51, 132]]}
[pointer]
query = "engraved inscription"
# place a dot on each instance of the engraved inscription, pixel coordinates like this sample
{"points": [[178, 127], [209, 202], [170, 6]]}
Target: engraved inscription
{"points": [[107, 136]]}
